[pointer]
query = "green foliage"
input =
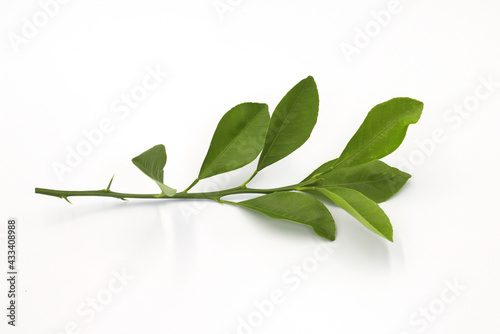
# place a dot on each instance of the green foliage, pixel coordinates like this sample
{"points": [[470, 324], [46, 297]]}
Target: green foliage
{"points": [[355, 181], [382, 131], [295, 207], [366, 211], [152, 163], [238, 139], [376, 180], [291, 123]]}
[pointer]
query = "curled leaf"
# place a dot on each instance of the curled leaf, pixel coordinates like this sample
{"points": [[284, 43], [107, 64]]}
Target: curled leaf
{"points": [[151, 163], [382, 131]]}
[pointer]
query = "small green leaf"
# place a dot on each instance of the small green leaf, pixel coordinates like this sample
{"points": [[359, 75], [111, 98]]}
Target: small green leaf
{"points": [[366, 211], [295, 207], [238, 139], [376, 180], [382, 131], [152, 163], [291, 123]]}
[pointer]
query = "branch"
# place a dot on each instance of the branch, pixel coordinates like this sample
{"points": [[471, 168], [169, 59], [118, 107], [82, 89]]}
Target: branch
{"points": [[214, 195]]}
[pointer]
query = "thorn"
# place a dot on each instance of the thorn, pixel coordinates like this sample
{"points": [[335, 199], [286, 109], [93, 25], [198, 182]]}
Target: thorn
{"points": [[66, 198], [110, 181], [123, 199]]}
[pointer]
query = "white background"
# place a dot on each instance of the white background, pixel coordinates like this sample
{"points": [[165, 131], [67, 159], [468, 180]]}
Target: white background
{"points": [[201, 267]]}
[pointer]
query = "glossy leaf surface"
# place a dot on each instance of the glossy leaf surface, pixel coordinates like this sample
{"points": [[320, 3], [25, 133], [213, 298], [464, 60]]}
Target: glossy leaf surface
{"points": [[376, 180], [366, 211], [382, 131], [238, 139], [291, 123], [295, 207]]}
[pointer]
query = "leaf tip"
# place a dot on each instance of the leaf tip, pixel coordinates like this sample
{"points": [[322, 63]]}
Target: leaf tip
{"points": [[330, 237], [310, 81], [389, 235]]}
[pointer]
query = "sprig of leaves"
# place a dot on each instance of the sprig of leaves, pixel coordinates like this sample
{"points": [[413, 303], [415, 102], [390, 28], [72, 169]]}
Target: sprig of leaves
{"points": [[356, 181]]}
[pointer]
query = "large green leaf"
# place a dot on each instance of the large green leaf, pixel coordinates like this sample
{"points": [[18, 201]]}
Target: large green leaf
{"points": [[291, 123], [238, 139], [295, 207], [366, 211], [152, 163], [376, 180], [382, 131]]}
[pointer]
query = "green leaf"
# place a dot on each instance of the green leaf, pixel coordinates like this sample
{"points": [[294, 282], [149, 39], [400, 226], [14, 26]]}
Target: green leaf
{"points": [[152, 163], [382, 131], [291, 123], [295, 207], [238, 139], [366, 211], [376, 180]]}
